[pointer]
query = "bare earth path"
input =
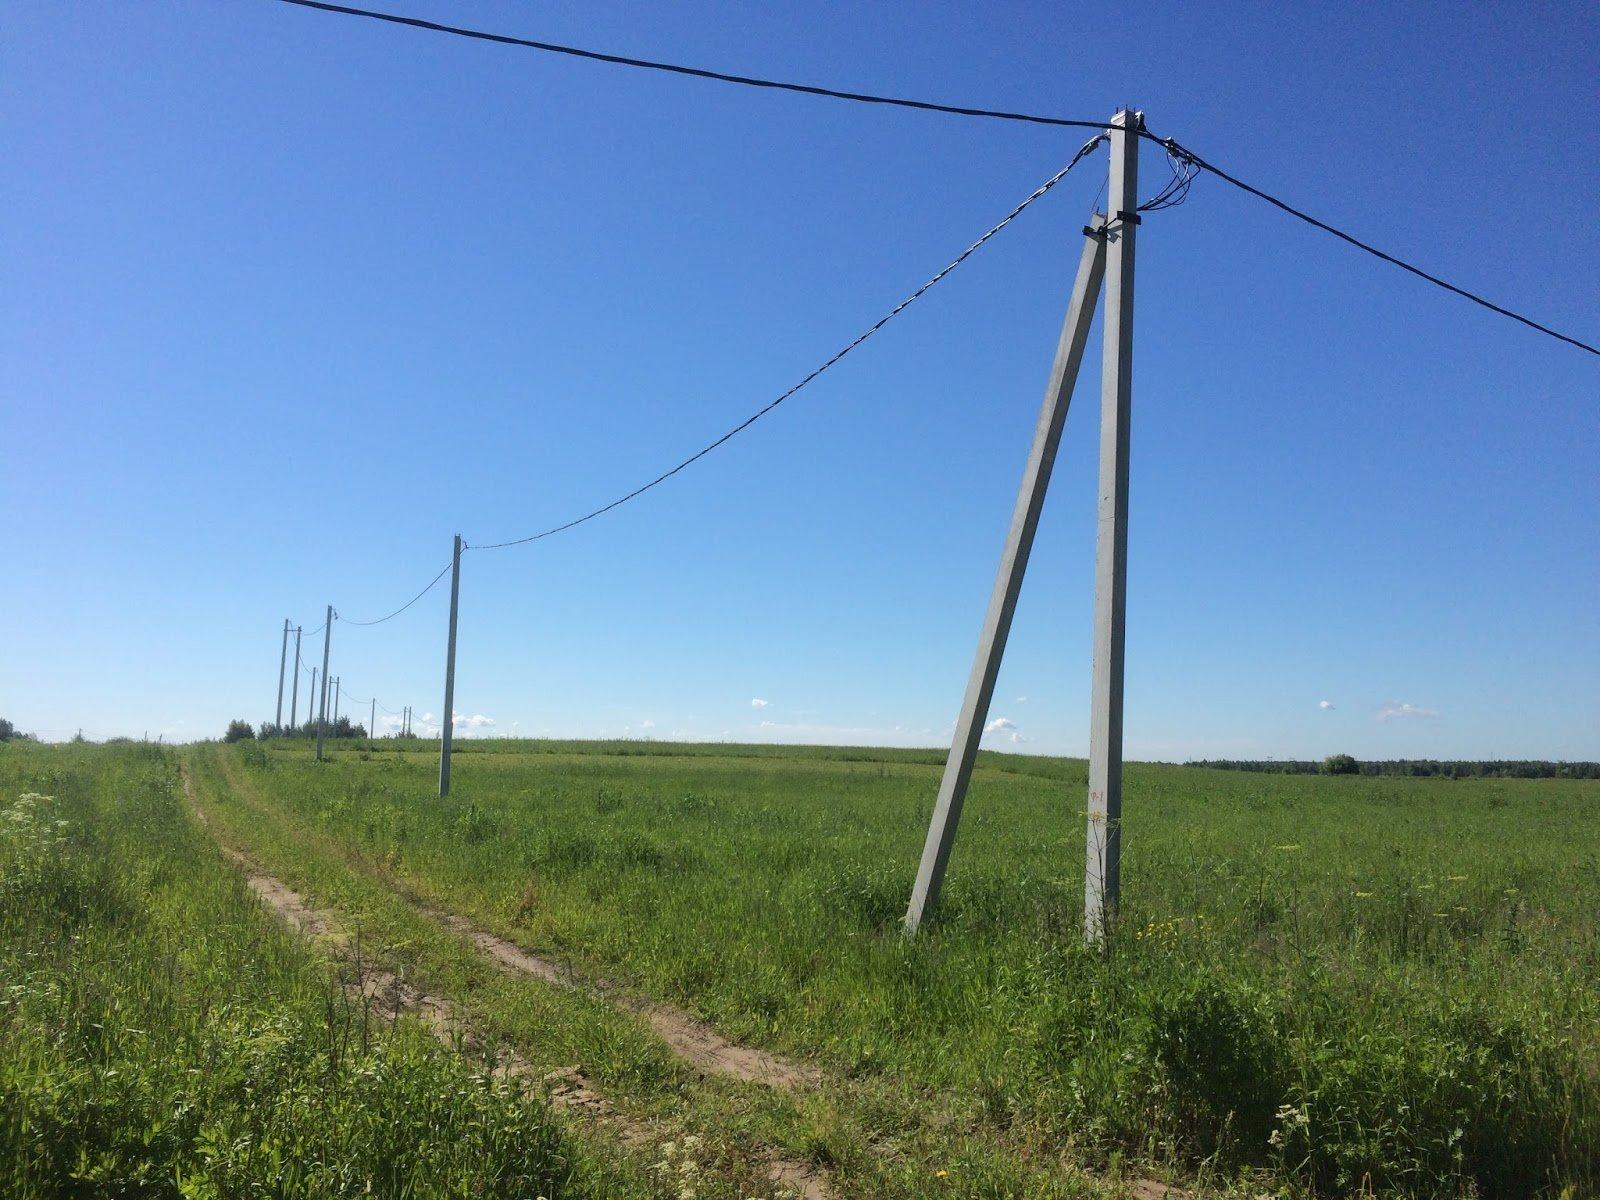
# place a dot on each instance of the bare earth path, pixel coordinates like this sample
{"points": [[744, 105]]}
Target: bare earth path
{"points": [[390, 996]]}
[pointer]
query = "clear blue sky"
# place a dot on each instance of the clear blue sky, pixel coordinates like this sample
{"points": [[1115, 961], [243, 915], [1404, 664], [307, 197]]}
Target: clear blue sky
{"points": [[292, 298]]}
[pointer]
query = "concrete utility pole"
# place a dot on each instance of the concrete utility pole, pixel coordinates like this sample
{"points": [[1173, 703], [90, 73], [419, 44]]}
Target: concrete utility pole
{"points": [[1008, 580], [448, 722], [294, 692], [372, 721], [311, 698], [1103, 873], [322, 706], [338, 687], [283, 659]]}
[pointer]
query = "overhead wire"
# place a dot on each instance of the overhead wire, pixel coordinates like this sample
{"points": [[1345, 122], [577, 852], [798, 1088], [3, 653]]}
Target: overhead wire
{"points": [[1384, 255], [1183, 162], [432, 583], [1041, 190], [695, 72], [936, 107]]}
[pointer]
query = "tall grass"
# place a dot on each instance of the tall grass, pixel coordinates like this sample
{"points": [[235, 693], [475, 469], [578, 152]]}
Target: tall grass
{"points": [[1337, 983], [160, 1036]]}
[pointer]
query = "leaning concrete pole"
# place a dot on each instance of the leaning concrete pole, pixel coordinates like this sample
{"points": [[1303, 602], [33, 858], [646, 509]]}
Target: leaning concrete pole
{"points": [[283, 660], [322, 698], [294, 692], [1103, 868], [1008, 580], [448, 721]]}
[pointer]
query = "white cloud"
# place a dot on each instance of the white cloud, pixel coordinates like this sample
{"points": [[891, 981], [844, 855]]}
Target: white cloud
{"points": [[1016, 738], [758, 703], [476, 721], [999, 723], [1325, 705], [647, 724], [1394, 708], [1022, 699]]}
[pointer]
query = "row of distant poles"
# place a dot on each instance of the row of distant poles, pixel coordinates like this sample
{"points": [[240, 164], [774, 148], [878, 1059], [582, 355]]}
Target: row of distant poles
{"points": [[317, 701], [1107, 259]]}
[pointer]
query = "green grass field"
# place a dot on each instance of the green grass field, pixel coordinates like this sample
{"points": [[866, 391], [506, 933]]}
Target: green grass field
{"points": [[1319, 986], [162, 1036]]}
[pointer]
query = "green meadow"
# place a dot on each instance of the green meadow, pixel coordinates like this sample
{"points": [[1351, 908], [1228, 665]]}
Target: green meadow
{"points": [[1318, 986], [161, 1035]]}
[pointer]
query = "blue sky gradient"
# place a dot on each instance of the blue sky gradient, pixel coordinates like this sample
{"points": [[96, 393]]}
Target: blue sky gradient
{"points": [[292, 298]]}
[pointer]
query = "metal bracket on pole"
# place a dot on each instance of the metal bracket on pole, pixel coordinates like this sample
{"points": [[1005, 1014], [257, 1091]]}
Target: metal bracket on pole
{"points": [[448, 721], [1103, 868], [1008, 581], [322, 696]]}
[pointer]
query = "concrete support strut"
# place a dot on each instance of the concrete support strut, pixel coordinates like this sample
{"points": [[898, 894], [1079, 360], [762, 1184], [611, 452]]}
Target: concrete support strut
{"points": [[447, 723], [1008, 580], [283, 660], [1103, 868], [294, 691], [322, 692]]}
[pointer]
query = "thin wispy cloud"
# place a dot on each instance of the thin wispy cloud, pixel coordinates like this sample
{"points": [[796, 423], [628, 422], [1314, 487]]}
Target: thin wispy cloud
{"points": [[1395, 708], [758, 702]]}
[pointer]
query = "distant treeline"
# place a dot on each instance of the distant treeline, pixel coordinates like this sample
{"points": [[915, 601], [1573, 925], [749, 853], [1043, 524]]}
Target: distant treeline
{"points": [[1414, 767], [342, 728]]}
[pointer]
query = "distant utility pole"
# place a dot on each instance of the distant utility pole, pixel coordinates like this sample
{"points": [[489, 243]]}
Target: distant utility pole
{"points": [[338, 687], [448, 721], [294, 692], [311, 698], [1108, 256], [283, 661], [1102, 884], [322, 706], [372, 721]]}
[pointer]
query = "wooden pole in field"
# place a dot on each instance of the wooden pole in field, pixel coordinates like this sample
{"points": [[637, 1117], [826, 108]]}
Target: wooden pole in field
{"points": [[1103, 873], [322, 696], [448, 721], [1008, 581]]}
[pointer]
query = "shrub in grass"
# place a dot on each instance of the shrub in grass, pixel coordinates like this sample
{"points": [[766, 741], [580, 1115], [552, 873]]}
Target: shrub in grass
{"points": [[1218, 1046]]}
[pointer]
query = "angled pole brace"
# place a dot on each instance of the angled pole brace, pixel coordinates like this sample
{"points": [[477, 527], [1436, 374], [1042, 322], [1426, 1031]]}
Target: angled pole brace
{"points": [[1008, 581]]}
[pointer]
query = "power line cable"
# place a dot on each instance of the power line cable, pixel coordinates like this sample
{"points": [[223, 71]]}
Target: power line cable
{"points": [[879, 324], [1185, 152], [951, 109], [695, 72], [431, 584]]}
